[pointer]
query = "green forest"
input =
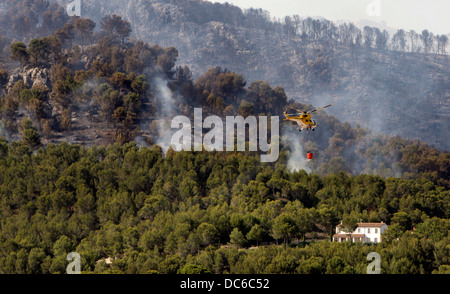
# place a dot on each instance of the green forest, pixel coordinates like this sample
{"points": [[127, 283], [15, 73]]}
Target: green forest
{"points": [[126, 209], [136, 208]]}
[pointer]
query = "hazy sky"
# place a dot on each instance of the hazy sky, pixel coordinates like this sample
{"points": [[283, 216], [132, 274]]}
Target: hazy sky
{"points": [[433, 15]]}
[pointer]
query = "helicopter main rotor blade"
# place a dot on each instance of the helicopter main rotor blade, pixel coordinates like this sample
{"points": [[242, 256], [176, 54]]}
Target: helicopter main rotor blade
{"points": [[314, 110], [299, 111]]}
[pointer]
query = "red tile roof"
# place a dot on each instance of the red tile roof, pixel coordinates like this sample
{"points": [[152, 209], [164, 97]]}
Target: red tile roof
{"points": [[365, 225]]}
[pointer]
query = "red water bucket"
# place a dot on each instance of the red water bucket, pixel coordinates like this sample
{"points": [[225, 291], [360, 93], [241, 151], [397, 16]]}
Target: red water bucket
{"points": [[309, 155]]}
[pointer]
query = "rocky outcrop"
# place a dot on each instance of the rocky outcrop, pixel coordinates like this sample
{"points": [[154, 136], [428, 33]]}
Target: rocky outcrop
{"points": [[31, 77]]}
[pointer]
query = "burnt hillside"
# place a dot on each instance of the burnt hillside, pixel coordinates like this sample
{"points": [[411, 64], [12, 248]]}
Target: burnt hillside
{"points": [[397, 85]]}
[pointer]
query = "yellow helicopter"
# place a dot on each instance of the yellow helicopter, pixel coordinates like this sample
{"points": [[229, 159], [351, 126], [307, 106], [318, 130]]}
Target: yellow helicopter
{"points": [[303, 118]]}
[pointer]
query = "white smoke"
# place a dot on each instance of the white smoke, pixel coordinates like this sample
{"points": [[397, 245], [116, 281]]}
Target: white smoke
{"points": [[165, 107], [3, 132], [297, 157]]}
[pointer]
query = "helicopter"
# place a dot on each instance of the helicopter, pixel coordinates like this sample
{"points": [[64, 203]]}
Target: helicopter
{"points": [[303, 118]]}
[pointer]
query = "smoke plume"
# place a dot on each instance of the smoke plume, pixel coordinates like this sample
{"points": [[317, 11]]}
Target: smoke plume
{"points": [[165, 104], [3, 132], [297, 158]]}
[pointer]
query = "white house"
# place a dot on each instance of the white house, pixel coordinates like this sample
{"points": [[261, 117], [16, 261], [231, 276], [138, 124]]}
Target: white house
{"points": [[365, 232]]}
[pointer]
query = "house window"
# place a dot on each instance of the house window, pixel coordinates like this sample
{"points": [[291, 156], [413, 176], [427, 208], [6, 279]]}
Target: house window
{"points": [[359, 230], [376, 240], [368, 231], [376, 231]]}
